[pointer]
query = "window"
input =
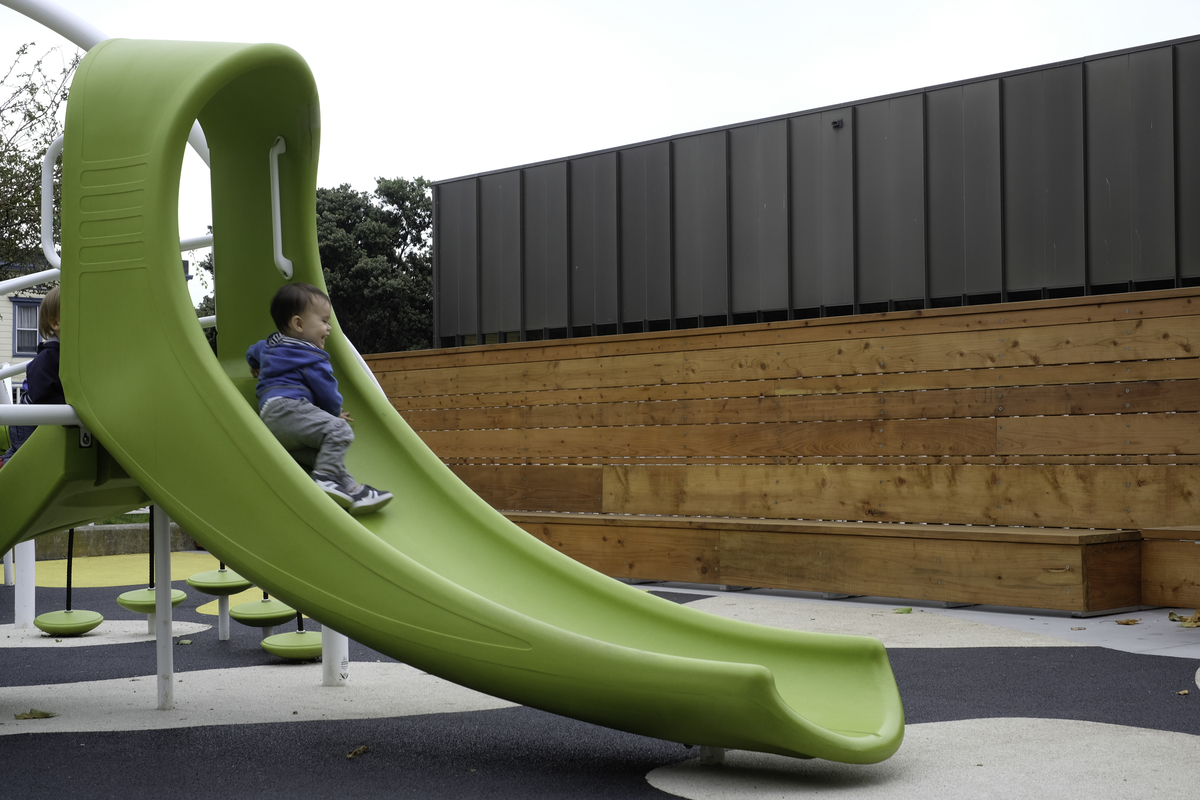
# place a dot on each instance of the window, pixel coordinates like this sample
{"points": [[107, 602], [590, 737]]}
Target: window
{"points": [[25, 325]]}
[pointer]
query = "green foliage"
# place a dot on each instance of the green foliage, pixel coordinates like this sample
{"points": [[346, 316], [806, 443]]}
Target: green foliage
{"points": [[376, 251], [32, 97]]}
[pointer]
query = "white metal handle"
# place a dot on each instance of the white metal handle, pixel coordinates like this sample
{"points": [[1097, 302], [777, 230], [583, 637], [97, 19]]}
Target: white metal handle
{"points": [[39, 415], [282, 264], [52, 153]]}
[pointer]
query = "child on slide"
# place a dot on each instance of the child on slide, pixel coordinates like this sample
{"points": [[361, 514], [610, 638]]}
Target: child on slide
{"points": [[298, 397], [42, 385]]}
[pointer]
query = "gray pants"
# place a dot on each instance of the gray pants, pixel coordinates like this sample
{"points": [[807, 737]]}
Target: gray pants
{"points": [[315, 438]]}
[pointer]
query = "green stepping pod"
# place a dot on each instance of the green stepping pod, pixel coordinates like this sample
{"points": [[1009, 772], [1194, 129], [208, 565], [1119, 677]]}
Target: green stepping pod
{"points": [[68, 623], [141, 601], [295, 646], [219, 582], [263, 613], [437, 579]]}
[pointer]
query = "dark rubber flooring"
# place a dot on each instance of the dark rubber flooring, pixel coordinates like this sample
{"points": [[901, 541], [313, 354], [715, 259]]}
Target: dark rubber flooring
{"points": [[509, 753]]}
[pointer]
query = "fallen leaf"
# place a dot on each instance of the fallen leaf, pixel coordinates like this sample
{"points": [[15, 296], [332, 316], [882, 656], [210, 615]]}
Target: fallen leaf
{"points": [[1184, 692], [358, 751], [1079, 629], [901, 610], [1171, 615], [1128, 621], [185, 641], [33, 713]]}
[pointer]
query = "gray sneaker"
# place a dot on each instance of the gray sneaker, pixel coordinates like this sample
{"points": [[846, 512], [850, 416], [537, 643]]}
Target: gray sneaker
{"points": [[368, 499], [334, 489]]}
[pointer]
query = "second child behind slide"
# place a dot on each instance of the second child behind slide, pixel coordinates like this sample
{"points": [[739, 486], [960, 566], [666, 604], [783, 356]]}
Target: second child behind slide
{"points": [[298, 397]]}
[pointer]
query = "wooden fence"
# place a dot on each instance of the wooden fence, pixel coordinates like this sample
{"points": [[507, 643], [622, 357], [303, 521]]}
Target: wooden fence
{"points": [[1009, 454]]}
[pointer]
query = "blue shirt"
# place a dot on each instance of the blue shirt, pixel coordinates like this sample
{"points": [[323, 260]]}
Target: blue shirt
{"points": [[294, 368]]}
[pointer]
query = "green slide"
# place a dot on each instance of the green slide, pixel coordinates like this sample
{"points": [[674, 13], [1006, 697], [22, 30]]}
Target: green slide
{"points": [[437, 579]]}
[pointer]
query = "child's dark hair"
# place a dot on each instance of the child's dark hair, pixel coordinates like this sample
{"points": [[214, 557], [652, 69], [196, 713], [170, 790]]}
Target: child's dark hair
{"points": [[48, 313], [292, 299]]}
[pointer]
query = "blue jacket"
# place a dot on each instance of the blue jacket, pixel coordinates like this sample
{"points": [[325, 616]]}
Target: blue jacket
{"points": [[42, 386], [45, 387], [290, 367]]}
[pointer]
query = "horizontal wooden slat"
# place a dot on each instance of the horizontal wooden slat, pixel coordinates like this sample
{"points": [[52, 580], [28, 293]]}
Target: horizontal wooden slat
{"points": [[1006, 316], [1053, 344], [968, 533], [1029, 575], [1054, 435], [648, 553], [1001, 378], [1066, 496], [1144, 396], [1171, 573], [549, 488]]}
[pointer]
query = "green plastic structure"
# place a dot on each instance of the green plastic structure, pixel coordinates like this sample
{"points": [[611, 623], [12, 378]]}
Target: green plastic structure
{"points": [[438, 579]]}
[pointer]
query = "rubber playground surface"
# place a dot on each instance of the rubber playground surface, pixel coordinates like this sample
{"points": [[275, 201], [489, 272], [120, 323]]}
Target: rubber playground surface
{"points": [[998, 703]]}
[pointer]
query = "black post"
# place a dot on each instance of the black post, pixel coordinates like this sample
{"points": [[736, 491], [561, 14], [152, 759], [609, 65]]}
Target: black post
{"points": [[70, 555], [151, 547]]}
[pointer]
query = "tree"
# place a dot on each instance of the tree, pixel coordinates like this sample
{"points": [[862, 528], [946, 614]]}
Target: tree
{"points": [[377, 254], [31, 100]]}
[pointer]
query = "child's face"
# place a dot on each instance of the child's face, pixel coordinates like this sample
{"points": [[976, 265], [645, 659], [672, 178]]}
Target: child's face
{"points": [[312, 325]]}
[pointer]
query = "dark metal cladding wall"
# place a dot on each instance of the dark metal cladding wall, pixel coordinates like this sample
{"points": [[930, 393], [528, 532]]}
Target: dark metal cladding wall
{"points": [[646, 233], [594, 244], [500, 252], [457, 281], [822, 213], [1069, 179], [546, 247]]}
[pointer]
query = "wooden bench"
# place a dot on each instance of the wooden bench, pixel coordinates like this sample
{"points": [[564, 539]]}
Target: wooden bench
{"points": [[1002, 437]]}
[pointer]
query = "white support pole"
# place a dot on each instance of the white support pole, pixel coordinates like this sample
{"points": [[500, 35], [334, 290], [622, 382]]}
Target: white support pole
{"points": [[25, 594], [223, 618], [8, 568], [162, 608], [335, 657]]}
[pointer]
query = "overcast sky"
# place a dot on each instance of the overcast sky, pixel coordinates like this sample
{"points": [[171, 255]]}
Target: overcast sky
{"points": [[443, 89]]}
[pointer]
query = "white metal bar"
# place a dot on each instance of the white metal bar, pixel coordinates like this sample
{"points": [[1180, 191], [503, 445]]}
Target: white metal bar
{"points": [[162, 608], [335, 657], [39, 415], [208, 322], [59, 20], [9, 370], [25, 594], [25, 281], [281, 263], [196, 242], [52, 153], [86, 35]]}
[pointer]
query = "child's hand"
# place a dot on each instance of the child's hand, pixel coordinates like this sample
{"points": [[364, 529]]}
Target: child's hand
{"points": [[346, 416], [254, 373]]}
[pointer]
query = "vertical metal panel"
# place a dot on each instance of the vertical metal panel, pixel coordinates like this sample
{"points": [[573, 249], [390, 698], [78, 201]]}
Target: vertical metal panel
{"points": [[947, 193], [1187, 170], [594, 240], [822, 209], [1152, 162], [1109, 151], [701, 226], [500, 252], [646, 233], [984, 198], [1044, 178], [1131, 203], [759, 216], [891, 199], [964, 189], [546, 257], [457, 259]]}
